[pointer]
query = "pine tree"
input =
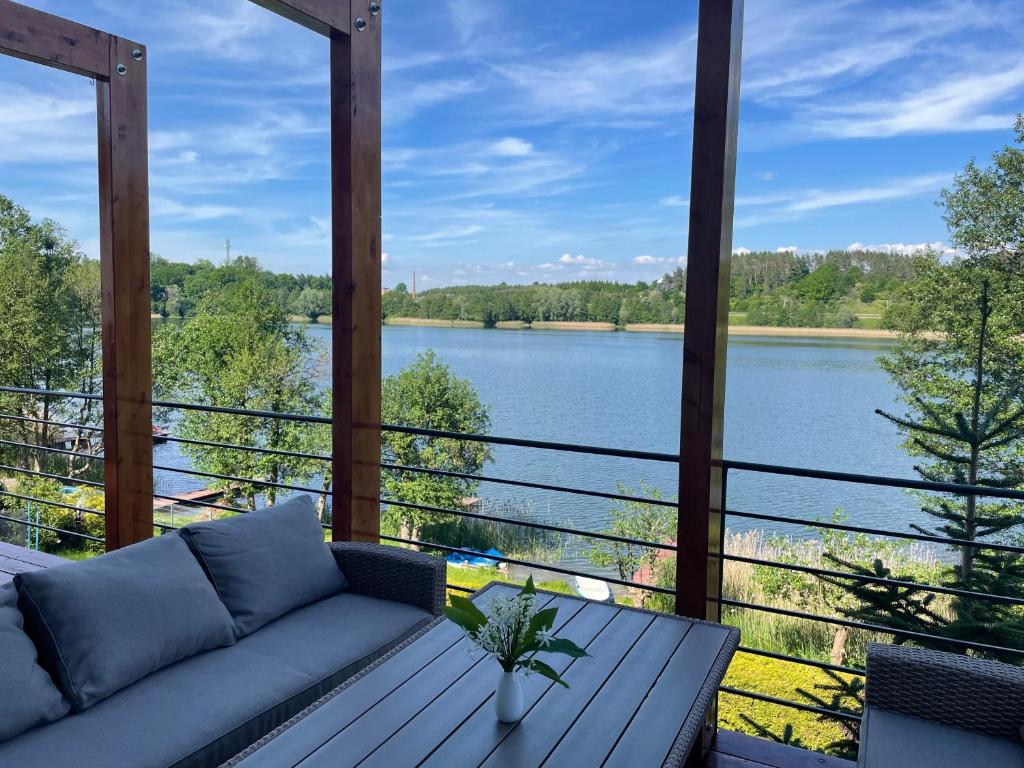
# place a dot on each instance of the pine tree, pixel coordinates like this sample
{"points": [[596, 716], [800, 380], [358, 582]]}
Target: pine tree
{"points": [[959, 363]]}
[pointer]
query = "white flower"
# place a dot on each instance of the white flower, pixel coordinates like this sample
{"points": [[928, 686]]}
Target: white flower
{"points": [[544, 637]]}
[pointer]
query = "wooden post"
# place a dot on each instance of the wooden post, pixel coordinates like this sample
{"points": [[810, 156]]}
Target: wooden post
{"points": [[354, 29], [127, 327], [356, 150], [119, 68], [701, 479]]}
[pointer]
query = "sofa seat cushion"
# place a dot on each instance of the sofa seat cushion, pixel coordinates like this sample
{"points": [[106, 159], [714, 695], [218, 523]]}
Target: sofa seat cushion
{"points": [[891, 740], [204, 710], [266, 563], [103, 624], [28, 696]]}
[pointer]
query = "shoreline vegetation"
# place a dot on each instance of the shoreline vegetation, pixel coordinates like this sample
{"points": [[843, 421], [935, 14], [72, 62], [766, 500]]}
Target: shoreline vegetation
{"points": [[554, 325]]}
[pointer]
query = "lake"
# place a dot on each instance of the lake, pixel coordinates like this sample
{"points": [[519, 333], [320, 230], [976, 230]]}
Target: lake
{"points": [[790, 401]]}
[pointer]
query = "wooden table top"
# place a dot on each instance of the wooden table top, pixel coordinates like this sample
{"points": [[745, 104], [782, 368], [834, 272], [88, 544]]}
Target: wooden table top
{"points": [[14, 560], [642, 694]]}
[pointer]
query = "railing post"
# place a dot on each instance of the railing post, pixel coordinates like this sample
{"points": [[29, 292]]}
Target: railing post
{"points": [[356, 190], [701, 478]]}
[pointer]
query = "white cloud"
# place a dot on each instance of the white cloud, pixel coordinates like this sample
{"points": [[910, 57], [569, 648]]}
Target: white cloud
{"points": [[166, 207], [674, 201], [764, 176], [741, 251], [959, 102], [787, 249], [443, 236], [512, 147], [904, 249]]}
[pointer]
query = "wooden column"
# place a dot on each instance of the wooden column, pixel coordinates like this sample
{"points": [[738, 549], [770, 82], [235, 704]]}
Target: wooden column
{"points": [[127, 327], [353, 27], [356, 211], [119, 68], [701, 479]]}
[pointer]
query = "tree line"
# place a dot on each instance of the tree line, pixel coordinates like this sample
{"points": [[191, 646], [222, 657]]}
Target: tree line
{"points": [[771, 288]]}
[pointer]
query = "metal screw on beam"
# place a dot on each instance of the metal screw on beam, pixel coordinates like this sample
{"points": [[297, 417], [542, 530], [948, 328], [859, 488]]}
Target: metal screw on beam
{"points": [[122, 69], [374, 9], [360, 24], [137, 54]]}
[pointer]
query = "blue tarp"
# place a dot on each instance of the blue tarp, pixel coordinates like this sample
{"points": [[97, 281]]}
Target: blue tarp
{"points": [[479, 560]]}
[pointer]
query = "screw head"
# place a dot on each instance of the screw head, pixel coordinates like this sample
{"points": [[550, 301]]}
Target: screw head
{"points": [[122, 69], [137, 54], [374, 9], [360, 24]]}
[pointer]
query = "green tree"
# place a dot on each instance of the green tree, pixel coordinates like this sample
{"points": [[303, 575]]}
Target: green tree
{"points": [[239, 351], [312, 303], [959, 363], [49, 302], [427, 394], [650, 523]]}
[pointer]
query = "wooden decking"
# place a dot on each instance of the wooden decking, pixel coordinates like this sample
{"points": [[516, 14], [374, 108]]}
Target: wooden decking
{"points": [[735, 750], [15, 560]]}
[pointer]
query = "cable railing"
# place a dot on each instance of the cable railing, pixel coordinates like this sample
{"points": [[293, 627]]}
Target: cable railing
{"points": [[726, 602]]}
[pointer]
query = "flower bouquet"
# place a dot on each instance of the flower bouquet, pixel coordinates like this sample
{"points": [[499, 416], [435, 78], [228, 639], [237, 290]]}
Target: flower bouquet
{"points": [[514, 633]]}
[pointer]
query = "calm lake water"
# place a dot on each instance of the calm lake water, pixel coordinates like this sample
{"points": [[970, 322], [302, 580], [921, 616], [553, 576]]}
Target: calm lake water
{"points": [[790, 401]]}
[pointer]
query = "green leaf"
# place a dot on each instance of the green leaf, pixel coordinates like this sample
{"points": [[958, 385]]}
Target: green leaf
{"points": [[528, 588], [543, 669], [467, 606], [468, 621], [567, 647]]}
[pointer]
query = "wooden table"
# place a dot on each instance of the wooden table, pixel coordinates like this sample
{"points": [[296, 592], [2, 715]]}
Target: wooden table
{"points": [[14, 560], [640, 699]]}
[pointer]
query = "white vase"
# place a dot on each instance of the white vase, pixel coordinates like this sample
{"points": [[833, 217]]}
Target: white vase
{"points": [[508, 698]]}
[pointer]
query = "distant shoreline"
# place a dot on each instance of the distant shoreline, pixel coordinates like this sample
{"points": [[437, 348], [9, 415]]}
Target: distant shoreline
{"points": [[734, 330]]}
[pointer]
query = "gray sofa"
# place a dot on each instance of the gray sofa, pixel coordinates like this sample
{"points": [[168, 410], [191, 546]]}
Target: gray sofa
{"points": [[926, 709], [183, 650]]}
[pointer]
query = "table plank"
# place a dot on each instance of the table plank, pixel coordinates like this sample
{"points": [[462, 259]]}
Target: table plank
{"points": [[537, 734], [649, 737], [594, 735], [467, 705], [348, 746], [309, 733], [479, 734], [30, 556]]}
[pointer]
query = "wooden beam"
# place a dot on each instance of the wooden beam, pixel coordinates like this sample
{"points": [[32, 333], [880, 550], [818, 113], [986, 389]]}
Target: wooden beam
{"points": [[45, 39], [356, 270], [326, 17], [701, 479], [124, 264]]}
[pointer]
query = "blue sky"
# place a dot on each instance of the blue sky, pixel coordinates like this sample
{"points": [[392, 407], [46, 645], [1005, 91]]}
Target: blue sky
{"points": [[528, 140]]}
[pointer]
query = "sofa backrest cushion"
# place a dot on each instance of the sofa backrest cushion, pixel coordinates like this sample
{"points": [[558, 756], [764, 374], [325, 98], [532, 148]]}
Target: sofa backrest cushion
{"points": [[267, 563], [103, 624], [28, 696]]}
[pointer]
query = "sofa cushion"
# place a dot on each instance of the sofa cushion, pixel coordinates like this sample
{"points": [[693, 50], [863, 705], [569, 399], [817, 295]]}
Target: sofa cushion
{"points": [[206, 709], [105, 623], [891, 740], [266, 563], [28, 696]]}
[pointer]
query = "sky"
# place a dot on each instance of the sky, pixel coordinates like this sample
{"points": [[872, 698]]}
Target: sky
{"points": [[531, 141]]}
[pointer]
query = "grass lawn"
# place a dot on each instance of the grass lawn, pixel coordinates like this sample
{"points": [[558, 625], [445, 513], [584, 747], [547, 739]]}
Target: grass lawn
{"points": [[784, 680]]}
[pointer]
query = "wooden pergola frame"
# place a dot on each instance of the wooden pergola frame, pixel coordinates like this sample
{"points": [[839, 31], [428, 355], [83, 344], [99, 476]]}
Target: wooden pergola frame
{"points": [[354, 30], [119, 69]]}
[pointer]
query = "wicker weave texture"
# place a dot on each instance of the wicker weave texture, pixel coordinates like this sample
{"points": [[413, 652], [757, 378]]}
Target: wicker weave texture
{"points": [[391, 573], [960, 691]]}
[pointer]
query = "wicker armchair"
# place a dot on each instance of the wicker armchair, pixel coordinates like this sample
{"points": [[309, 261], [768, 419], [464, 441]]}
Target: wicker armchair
{"points": [[966, 703]]}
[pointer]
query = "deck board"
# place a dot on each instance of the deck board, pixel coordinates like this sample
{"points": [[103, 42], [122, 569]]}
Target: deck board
{"points": [[737, 750], [15, 560]]}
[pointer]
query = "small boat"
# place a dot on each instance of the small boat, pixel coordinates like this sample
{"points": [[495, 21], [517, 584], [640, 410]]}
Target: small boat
{"points": [[478, 560], [160, 435], [593, 589]]}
